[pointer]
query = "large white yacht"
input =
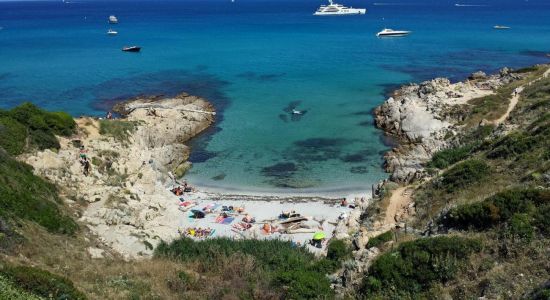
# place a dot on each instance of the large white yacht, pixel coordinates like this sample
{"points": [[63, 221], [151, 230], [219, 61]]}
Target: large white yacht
{"points": [[334, 9], [390, 32], [113, 20]]}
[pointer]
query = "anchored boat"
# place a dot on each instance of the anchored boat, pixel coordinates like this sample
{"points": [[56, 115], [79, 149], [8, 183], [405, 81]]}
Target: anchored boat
{"points": [[131, 49], [392, 33], [334, 9]]}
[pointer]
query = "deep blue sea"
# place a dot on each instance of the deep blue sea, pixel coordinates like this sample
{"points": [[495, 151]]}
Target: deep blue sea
{"points": [[256, 60]]}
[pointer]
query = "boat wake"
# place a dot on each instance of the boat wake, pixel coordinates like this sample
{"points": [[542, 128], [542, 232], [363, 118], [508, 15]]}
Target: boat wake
{"points": [[470, 5]]}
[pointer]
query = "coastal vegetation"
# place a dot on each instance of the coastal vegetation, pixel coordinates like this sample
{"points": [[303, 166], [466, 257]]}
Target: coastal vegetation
{"points": [[290, 270], [120, 130], [410, 270], [27, 127], [487, 199], [26, 196]]}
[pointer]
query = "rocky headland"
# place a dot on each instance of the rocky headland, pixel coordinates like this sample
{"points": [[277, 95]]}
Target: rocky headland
{"points": [[424, 117], [124, 198]]}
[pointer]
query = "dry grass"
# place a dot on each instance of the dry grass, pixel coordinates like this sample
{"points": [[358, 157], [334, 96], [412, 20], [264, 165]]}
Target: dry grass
{"points": [[157, 278]]}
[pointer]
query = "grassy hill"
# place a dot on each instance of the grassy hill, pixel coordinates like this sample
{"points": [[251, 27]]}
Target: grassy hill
{"points": [[482, 219]]}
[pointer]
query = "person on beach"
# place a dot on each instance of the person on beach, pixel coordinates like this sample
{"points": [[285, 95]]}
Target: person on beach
{"points": [[109, 116]]}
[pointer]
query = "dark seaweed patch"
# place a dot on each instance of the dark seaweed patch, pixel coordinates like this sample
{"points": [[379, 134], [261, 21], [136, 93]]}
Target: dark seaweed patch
{"points": [[353, 158], [359, 170], [362, 113], [316, 149], [367, 123], [284, 170], [284, 118], [260, 77], [291, 105], [219, 177]]}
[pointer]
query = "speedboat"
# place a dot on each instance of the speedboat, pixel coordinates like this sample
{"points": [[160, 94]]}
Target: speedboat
{"points": [[112, 32], [334, 9], [500, 27], [113, 20], [131, 49], [297, 112], [392, 33]]}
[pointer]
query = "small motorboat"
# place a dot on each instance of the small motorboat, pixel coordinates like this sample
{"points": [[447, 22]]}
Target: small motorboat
{"points": [[392, 33], [113, 20], [112, 32], [297, 112], [500, 27], [131, 49]]}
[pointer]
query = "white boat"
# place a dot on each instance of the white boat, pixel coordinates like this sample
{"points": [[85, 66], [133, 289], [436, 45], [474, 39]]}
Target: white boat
{"points": [[334, 9], [112, 32], [392, 33], [500, 27], [296, 112], [113, 20]]}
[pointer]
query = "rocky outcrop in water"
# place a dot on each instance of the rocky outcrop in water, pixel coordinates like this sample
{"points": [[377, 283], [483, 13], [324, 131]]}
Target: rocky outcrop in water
{"points": [[419, 117]]}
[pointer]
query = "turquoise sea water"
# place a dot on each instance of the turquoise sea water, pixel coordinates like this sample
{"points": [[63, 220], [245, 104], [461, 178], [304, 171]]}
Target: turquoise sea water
{"points": [[255, 60]]}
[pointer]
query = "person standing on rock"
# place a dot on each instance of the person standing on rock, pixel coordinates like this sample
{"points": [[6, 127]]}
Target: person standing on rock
{"points": [[86, 167]]}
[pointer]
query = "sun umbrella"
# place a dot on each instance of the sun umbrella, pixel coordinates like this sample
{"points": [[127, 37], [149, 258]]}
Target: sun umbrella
{"points": [[319, 235]]}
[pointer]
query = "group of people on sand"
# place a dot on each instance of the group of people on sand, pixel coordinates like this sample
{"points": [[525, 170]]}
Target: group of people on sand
{"points": [[84, 161], [179, 190], [197, 232]]}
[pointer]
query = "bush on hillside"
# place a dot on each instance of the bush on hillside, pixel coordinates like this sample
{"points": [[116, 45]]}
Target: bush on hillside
{"points": [[520, 204], [12, 135], [380, 239], [463, 174], [39, 126], [338, 250], [10, 291], [292, 270], [120, 130], [42, 283], [513, 144], [415, 266], [444, 158], [26, 196]]}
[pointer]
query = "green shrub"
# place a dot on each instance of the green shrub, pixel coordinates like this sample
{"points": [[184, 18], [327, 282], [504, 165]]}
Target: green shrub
{"points": [[12, 135], [447, 157], [287, 268], [42, 283], [29, 197], [380, 239], [511, 145], [9, 291], [463, 174], [415, 266], [39, 126], [520, 226], [120, 130], [43, 140], [338, 250], [500, 208]]}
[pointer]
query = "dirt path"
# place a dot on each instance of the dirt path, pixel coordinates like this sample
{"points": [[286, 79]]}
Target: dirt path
{"points": [[515, 98], [399, 203]]}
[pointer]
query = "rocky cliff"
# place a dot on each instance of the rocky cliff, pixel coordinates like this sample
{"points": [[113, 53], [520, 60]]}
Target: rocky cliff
{"points": [[124, 196]]}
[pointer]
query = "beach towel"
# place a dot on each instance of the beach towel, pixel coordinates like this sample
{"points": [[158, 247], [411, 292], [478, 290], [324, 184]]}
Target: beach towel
{"points": [[227, 220], [219, 219]]}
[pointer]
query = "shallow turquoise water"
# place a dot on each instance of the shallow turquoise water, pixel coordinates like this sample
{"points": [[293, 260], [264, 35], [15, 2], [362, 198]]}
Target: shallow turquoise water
{"points": [[253, 59]]}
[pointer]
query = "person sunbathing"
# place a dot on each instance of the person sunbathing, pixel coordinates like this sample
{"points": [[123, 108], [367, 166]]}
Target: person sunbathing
{"points": [[249, 219]]}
